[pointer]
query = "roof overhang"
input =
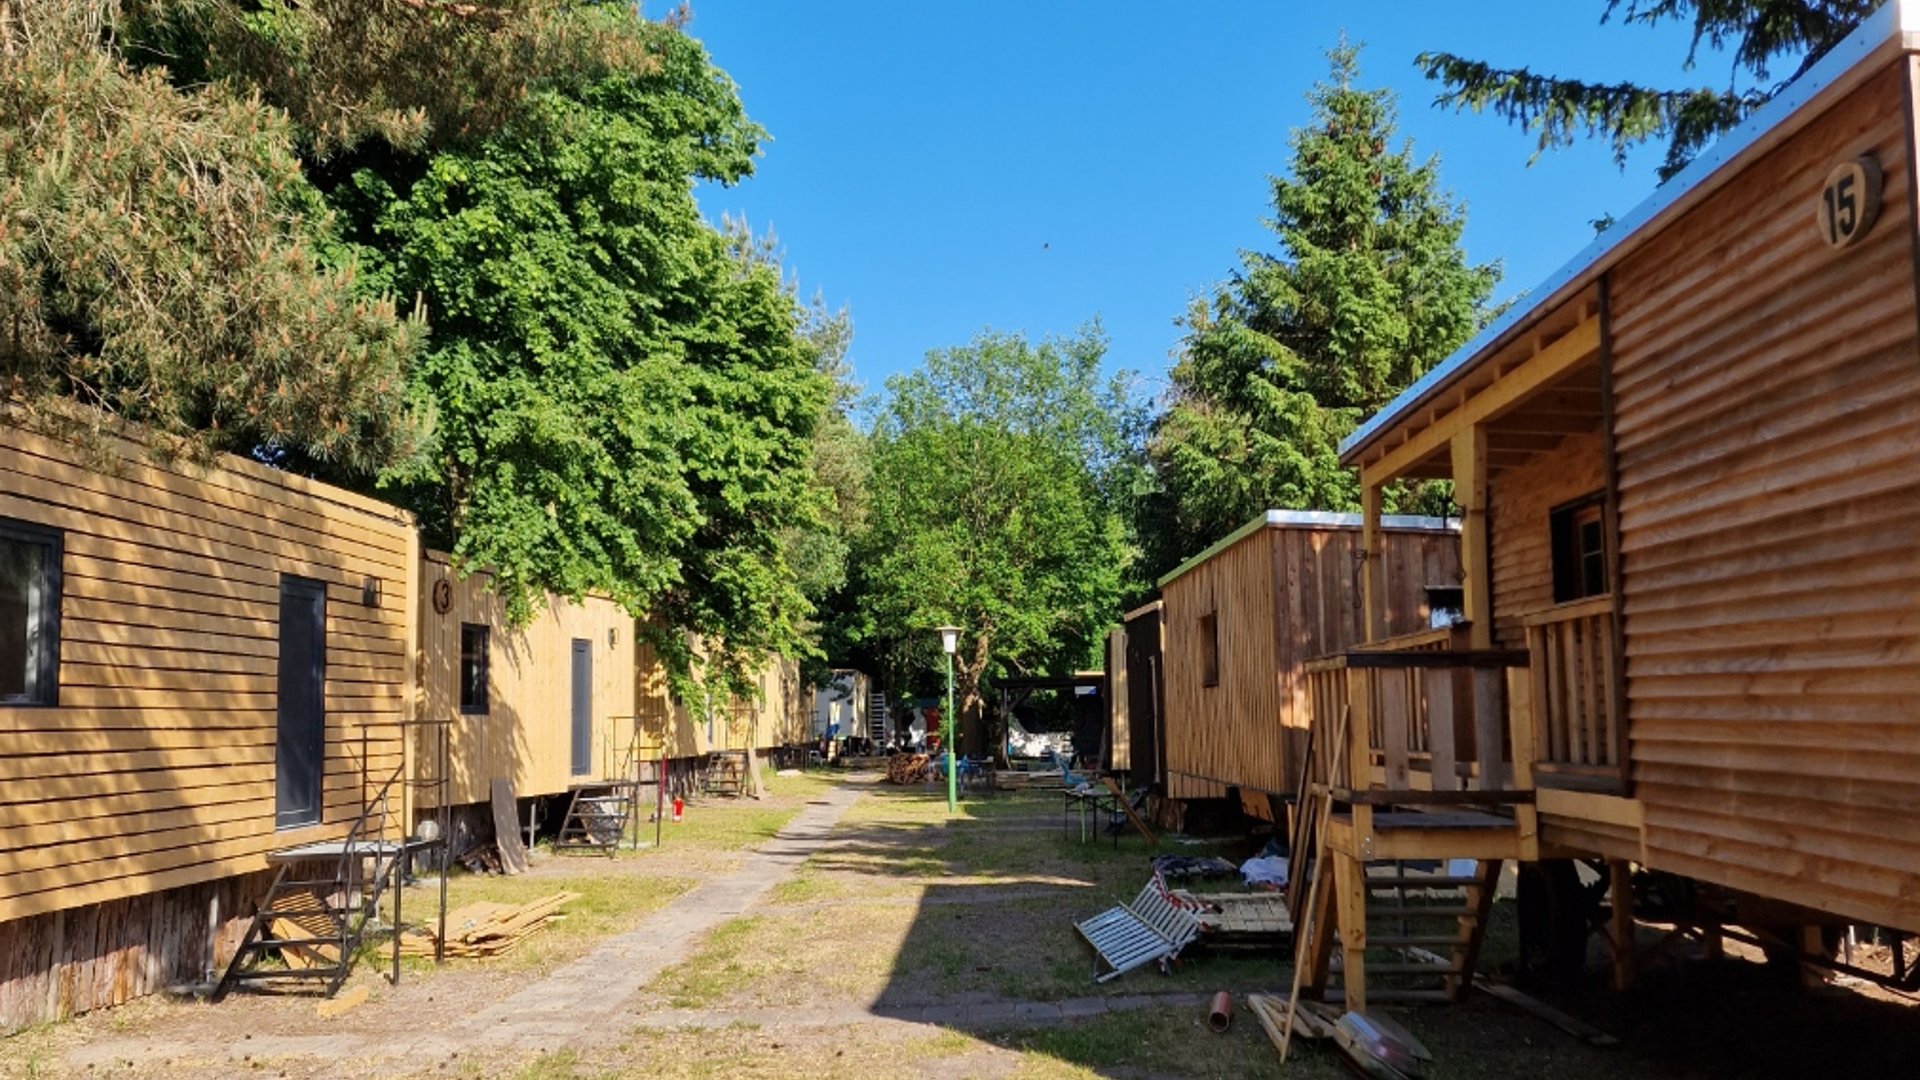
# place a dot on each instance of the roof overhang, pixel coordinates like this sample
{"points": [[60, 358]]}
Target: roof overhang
{"points": [[1892, 29]]}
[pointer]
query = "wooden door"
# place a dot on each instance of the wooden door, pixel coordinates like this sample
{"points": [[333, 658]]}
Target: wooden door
{"points": [[300, 746], [582, 706]]}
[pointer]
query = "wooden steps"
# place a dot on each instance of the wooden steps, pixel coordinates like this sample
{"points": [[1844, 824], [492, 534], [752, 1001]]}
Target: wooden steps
{"points": [[598, 816]]}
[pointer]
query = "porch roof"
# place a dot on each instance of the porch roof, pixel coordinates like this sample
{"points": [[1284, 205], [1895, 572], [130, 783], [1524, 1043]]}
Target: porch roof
{"points": [[1892, 28]]}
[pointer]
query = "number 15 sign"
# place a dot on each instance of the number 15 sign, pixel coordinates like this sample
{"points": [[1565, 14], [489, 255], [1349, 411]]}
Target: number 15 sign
{"points": [[1850, 201]]}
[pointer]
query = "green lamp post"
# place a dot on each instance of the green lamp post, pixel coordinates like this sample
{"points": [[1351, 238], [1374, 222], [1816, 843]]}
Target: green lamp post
{"points": [[949, 644]]}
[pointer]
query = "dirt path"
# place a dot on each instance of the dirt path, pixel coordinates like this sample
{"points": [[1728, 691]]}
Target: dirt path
{"points": [[582, 1004]]}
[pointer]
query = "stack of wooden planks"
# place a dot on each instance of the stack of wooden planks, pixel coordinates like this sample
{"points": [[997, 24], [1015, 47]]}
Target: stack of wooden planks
{"points": [[484, 928]]}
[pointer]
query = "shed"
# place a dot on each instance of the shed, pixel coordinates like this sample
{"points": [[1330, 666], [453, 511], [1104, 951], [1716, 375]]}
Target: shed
{"points": [[1240, 620]]}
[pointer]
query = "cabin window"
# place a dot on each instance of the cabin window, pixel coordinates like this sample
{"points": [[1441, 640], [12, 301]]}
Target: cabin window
{"points": [[473, 668], [1210, 649], [1579, 550], [29, 614]]}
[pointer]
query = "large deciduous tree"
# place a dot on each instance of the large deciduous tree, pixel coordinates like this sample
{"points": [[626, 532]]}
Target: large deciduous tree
{"points": [[1369, 289], [1762, 34], [624, 401], [991, 508]]}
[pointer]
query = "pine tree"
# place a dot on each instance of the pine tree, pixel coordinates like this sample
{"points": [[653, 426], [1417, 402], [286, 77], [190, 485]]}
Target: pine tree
{"points": [[1763, 32], [1369, 289]]}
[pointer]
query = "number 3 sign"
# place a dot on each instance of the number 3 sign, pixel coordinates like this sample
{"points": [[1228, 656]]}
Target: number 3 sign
{"points": [[1850, 201]]}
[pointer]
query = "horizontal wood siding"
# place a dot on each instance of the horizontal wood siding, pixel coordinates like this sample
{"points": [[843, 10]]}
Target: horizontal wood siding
{"points": [[1284, 596], [156, 770], [778, 713], [1521, 500], [526, 734], [1768, 426]]}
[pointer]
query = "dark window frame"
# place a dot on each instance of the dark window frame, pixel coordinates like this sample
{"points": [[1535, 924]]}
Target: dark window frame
{"points": [[48, 677], [483, 704], [1210, 649], [1580, 572]]}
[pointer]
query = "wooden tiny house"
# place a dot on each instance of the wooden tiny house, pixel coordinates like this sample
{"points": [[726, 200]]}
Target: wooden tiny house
{"points": [[196, 668], [1688, 463], [1239, 621], [544, 705]]}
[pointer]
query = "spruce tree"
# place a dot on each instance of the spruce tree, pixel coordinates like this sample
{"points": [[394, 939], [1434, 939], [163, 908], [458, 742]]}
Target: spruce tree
{"points": [[1369, 289], [1762, 33]]}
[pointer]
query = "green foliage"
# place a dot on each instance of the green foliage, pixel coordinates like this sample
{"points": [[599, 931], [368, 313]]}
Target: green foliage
{"points": [[1369, 290], [164, 260], [995, 468], [1762, 33], [624, 402]]}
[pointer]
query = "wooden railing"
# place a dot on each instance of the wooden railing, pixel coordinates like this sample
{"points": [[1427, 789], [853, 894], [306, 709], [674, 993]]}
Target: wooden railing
{"points": [[1576, 693], [1422, 718]]}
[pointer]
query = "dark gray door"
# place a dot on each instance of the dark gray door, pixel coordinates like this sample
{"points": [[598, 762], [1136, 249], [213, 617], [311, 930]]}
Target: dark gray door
{"points": [[582, 706], [300, 752]]}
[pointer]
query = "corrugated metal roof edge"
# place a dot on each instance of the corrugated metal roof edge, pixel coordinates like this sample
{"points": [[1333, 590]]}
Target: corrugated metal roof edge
{"points": [[1891, 25], [1323, 519]]}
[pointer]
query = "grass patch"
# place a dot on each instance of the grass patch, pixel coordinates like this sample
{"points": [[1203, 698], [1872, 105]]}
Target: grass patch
{"points": [[720, 969], [1155, 1042]]}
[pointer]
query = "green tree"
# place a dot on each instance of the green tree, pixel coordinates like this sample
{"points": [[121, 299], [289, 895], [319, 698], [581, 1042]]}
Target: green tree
{"points": [[624, 401], [1762, 33], [164, 260], [1369, 290], [991, 509]]}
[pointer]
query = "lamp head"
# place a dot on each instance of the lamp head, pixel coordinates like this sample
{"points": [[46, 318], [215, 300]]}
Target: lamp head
{"points": [[949, 639]]}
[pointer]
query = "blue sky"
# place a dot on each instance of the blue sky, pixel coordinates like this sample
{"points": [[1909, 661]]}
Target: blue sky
{"points": [[1029, 166]]}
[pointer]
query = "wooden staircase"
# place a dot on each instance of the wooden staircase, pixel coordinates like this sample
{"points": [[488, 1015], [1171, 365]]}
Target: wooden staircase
{"points": [[1404, 820], [727, 772]]}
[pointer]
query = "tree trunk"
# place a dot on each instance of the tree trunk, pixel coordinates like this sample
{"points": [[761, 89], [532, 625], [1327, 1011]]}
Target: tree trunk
{"points": [[971, 705]]}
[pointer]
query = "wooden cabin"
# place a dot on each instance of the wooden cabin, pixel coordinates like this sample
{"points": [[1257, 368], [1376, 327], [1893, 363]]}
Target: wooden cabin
{"points": [[1690, 463], [777, 714], [544, 706], [197, 667], [1241, 619], [1135, 732]]}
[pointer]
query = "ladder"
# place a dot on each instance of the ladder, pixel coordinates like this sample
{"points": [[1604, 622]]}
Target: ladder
{"points": [[316, 920], [877, 719]]}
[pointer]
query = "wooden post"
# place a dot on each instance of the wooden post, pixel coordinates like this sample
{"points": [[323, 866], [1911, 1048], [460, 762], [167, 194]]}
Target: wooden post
{"points": [[1470, 491], [1373, 568], [1620, 888], [1350, 898]]}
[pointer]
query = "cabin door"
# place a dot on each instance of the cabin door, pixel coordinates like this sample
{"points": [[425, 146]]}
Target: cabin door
{"points": [[300, 748], [582, 706]]}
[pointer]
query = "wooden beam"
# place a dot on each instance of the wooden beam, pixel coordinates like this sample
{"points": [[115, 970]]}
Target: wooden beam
{"points": [[1476, 564], [1373, 576], [1541, 370]]}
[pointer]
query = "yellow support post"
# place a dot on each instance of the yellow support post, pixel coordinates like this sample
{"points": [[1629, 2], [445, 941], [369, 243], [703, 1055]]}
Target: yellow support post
{"points": [[1470, 491], [1373, 576]]}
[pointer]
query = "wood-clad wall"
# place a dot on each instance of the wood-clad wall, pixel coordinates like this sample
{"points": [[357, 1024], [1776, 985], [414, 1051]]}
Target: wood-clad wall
{"points": [[1767, 394], [1521, 501], [1119, 741], [156, 769], [779, 713], [526, 734], [60, 963], [1281, 596]]}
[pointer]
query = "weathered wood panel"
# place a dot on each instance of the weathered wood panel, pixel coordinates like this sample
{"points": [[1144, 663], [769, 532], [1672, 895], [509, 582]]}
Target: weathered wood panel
{"points": [[1282, 596], [60, 963], [526, 734], [1767, 427], [1145, 696], [156, 769], [1119, 741]]}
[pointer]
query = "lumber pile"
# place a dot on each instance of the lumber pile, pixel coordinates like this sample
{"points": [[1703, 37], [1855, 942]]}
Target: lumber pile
{"points": [[1021, 780], [909, 769], [484, 928]]}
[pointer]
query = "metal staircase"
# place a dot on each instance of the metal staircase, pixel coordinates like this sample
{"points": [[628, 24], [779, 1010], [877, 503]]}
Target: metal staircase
{"points": [[598, 816], [324, 900], [879, 722]]}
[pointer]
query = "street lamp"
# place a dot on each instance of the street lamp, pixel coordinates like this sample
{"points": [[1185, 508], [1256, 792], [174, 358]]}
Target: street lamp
{"points": [[949, 644]]}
